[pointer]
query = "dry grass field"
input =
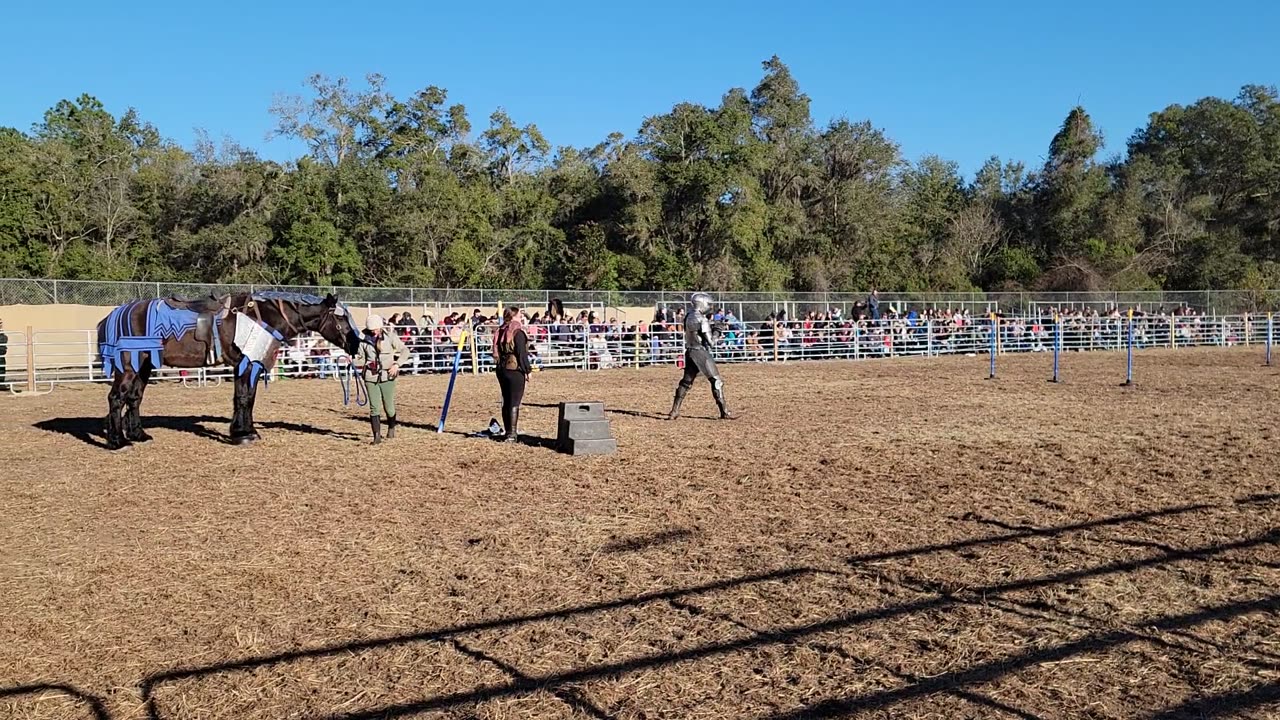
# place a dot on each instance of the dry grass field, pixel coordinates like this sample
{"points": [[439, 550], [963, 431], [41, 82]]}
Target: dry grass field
{"points": [[896, 539]]}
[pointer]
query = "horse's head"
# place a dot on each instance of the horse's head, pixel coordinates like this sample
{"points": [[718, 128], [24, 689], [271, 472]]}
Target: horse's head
{"points": [[292, 314], [333, 321]]}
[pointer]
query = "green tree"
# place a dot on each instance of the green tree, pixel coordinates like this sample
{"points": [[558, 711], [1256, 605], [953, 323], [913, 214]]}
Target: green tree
{"points": [[746, 194], [337, 121], [1072, 188], [512, 149], [21, 252]]}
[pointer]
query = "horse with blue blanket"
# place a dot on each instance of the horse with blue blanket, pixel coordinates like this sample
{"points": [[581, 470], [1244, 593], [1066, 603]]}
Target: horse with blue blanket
{"points": [[242, 330]]}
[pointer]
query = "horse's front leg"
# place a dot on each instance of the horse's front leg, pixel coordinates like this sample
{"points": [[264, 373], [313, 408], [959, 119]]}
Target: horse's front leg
{"points": [[115, 412], [242, 431], [253, 398], [133, 406]]}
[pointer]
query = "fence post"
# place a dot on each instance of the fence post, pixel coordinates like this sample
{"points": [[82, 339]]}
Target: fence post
{"points": [[1248, 329], [475, 356], [55, 292], [1128, 373], [1173, 342], [31, 359], [1057, 343], [776, 337], [995, 332], [928, 331], [857, 340]]}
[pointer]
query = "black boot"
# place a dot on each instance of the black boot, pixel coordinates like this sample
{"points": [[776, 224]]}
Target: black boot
{"points": [[513, 426], [391, 427], [681, 391], [376, 422], [717, 389]]}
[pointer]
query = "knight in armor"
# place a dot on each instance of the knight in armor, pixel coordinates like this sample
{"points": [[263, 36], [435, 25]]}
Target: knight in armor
{"points": [[697, 356]]}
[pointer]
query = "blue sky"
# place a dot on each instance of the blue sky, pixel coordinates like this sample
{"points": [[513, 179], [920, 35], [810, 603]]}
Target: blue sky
{"points": [[962, 80]]}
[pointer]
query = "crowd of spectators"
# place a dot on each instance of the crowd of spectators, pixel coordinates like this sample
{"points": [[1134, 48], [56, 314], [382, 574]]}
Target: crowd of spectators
{"points": [[587, 339]]}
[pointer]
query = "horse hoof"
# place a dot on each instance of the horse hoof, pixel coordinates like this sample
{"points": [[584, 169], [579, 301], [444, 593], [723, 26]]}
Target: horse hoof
{"points": [[119, 448], [143, 438], [244, 440]]}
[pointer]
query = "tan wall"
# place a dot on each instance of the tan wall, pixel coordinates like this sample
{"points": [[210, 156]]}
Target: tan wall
{"points": [[51, 317], [85, 317], [64, 334]]}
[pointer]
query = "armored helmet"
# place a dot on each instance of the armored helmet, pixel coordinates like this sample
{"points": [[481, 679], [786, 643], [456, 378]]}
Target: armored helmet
{"points": [[701, 302]]}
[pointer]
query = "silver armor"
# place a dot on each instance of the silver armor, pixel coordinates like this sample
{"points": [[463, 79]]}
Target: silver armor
{"points": [[698, 340], [697, 330]]}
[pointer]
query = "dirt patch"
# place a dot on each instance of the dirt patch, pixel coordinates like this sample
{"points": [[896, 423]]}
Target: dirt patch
{"points": [[878, 539]]}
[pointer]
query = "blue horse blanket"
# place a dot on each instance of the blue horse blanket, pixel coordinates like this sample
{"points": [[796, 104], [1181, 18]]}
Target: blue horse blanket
{"points": [[120, 336]]}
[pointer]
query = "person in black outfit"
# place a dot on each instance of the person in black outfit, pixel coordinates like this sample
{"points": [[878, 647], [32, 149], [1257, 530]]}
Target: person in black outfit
{"points": [[511, 357]]}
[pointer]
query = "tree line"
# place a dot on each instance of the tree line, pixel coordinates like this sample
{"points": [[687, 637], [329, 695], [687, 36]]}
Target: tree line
{"points": [[750, 194]]}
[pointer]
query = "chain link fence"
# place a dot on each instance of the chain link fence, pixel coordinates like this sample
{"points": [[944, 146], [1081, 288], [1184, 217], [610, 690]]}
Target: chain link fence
{"points": [[750, 306]]}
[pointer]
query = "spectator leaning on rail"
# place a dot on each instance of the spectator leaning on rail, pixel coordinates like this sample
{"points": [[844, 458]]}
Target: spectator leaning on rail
{"points": [[379, 357], [4, 350], [511, 357]]}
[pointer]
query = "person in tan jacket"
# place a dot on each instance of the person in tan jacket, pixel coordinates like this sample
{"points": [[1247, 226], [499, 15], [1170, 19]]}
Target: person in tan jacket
{"points": [[379, 358]]}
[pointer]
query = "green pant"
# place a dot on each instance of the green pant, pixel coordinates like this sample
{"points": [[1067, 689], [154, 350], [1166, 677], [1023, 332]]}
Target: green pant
{"points": [[382, 395]]}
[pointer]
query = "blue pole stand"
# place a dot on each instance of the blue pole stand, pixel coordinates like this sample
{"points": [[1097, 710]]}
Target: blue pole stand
{"points": [[448, 395], [1269, 337]]}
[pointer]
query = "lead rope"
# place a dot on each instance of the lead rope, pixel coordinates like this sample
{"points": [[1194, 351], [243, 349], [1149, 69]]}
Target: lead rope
{"points": [[346, 377]]}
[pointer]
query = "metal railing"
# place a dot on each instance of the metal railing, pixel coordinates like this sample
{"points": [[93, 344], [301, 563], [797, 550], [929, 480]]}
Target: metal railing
{"points": [[748, 305], [49, 358]]}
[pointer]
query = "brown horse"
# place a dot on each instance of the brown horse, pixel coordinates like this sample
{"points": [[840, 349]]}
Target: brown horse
{"points": [[243, 331]]}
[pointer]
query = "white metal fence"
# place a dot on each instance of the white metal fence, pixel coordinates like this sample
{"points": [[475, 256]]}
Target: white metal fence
{"points": [[748, 305], [49, 358]]}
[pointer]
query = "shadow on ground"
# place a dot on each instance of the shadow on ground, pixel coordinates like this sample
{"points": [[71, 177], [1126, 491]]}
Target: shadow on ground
{"points": [[90, 430], [959, 683], [36, 693], [645, 414]]}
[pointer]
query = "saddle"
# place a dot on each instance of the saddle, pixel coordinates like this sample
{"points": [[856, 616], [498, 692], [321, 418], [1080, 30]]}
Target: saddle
{"points": [[200, 306], [209, 312]]}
